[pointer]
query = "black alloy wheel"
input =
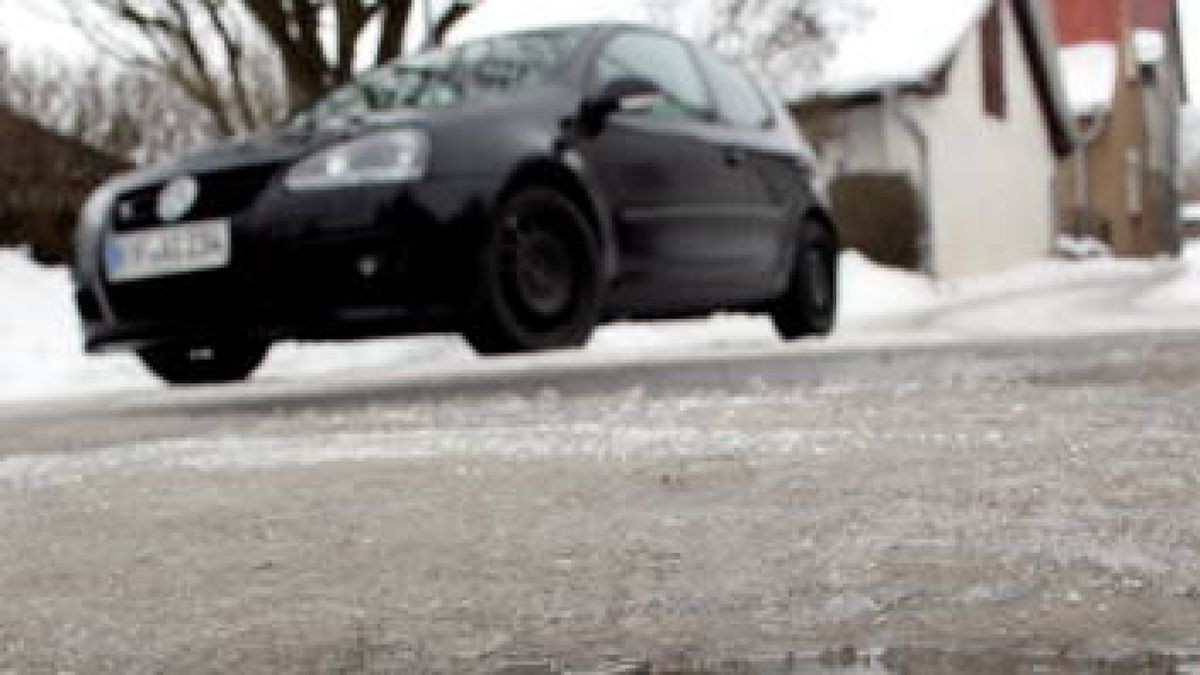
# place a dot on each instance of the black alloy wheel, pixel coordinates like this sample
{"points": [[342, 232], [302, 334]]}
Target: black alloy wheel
{"points": [[809, 305], [539, 277], [204, 364]]}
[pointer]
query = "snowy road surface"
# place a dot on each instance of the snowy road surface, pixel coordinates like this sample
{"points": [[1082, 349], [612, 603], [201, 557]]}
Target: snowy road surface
{"points": [[1037, 496]]}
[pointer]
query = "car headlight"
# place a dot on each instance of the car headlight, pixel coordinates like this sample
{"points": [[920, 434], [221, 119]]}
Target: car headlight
{"points": [[388, 157]]}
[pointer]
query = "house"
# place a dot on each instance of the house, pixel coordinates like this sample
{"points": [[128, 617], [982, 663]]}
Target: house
{"points": [[1123, 70], [44, 179], [940, 132]]}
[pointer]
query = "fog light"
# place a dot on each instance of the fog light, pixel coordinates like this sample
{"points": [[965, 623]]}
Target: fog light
{"points": [[368, 266]]}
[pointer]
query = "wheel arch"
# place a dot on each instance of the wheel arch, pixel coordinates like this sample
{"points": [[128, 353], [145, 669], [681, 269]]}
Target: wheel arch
{"points": [[820, 214], [568, 178]]}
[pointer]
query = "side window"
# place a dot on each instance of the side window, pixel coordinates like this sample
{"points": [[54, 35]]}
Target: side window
{"points": [[739, 99], [663, 61]]}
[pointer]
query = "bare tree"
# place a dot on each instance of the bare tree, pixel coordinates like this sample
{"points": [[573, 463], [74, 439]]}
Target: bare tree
{"points": [[126, 113], [777, 38], [230, 55], [48, 169]]}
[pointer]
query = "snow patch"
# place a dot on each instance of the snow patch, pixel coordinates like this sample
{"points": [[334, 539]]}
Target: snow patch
{"points": [[1149, 46], [1090, 75], [1076, 248]]}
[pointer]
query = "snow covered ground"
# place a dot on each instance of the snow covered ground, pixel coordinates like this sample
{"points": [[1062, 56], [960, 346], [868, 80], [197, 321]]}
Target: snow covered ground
{"points": [[41, 355]]}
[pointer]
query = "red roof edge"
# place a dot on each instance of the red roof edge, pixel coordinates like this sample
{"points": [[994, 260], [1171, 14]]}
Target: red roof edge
{"points": [[1081, 21]]}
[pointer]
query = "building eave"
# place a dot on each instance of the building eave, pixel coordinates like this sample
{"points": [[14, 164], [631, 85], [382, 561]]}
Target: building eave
{"points": [[1041, 50]]}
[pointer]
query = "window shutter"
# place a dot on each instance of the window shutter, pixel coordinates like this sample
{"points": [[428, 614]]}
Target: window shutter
{"points": [[995, 98]]}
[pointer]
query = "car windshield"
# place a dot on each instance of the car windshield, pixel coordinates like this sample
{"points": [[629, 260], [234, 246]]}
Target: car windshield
{"points": [[457, 76]]}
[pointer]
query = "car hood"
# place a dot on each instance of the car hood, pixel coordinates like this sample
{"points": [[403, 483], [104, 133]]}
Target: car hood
{"points": [[278, 146], [285, 145]]}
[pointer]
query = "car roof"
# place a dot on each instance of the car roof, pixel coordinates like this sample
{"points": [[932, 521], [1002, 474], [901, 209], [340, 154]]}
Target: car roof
{"points": [[592, 27]]}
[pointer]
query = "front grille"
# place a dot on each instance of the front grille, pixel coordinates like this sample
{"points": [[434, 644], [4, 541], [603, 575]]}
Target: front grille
{"points": [[192, 298], [221, 194]]}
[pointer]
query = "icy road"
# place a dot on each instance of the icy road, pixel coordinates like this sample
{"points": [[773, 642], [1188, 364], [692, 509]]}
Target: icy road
{"points": [[1033, 497]]}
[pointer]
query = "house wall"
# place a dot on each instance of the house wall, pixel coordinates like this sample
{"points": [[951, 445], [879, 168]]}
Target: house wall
{"points": [[848, 137], [993, 200]]}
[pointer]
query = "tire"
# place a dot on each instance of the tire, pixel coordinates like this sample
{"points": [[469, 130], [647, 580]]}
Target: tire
{"points": [[539, 282], [204, 364], [809, 305]]}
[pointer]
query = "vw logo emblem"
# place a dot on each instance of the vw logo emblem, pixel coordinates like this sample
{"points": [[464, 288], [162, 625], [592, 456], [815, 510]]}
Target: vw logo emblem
{"points": [[177, 198]]}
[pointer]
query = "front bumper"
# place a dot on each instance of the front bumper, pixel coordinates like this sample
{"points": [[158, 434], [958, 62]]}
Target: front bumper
{"points": [[347, 263]]}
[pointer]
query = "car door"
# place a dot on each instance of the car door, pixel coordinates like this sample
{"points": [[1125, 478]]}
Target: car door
{"points": [[772, 172], [675, 197]]}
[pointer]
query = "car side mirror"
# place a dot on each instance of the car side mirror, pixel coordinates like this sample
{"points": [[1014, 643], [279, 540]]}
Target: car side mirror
{"points": [[628, 94]]}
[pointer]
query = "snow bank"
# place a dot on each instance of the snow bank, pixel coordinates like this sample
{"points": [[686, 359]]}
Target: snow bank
{"points": [[869, 290], [41, 354], [1090, 76], [1182, 292], [41, 348]]}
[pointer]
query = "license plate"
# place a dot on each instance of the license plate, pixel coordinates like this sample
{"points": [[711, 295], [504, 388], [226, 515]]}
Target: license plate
{"points": [[163, 251]]}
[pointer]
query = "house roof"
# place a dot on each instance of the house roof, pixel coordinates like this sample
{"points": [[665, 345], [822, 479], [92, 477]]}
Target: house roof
{"points": [[893, 46], [902, 49], [1086, 21]]}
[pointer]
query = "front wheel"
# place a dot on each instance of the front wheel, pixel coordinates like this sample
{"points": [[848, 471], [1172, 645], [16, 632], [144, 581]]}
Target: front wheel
{"points": [[204, 364], [809, 305], [539, 281]]}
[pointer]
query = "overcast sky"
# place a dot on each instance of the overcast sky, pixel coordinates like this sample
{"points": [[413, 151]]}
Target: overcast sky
{"points": [[30, 25]]}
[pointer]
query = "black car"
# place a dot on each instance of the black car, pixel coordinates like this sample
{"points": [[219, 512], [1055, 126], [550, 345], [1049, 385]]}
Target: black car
{"points": [[518, 189]]}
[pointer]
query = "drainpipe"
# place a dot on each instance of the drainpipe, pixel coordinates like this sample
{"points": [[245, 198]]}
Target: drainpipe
{"points": [[1082, 179], [892, 105]]}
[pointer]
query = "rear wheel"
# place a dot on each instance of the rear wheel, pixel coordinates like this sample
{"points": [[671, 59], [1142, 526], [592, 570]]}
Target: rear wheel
{"points": [[539, 277], [809, 305], [204, 364]]}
